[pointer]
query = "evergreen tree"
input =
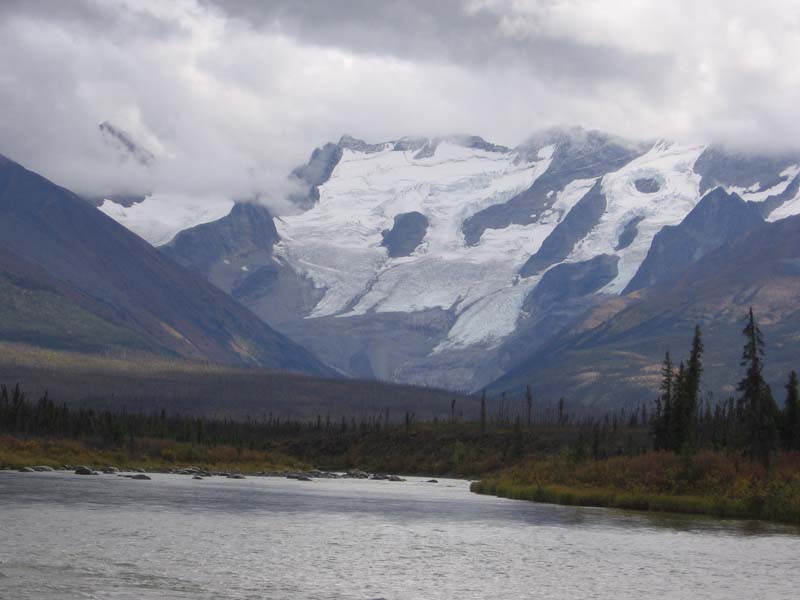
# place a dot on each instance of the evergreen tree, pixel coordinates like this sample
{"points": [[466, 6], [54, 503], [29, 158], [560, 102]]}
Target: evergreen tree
{"points": [[791, 415], [675, 420], [661, 420], [759, 411], [529, 402], [686, 390], [483, 413]]}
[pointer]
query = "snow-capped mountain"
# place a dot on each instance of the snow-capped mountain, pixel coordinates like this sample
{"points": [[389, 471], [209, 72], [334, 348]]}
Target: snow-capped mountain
{"points": [[437, 261]]}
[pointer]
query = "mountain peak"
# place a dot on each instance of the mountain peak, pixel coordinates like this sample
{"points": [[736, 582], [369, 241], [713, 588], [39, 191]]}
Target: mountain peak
{"points": [[125, 144]]}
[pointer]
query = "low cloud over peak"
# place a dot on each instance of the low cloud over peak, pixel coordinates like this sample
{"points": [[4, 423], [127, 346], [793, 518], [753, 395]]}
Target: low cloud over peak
{"points": [[227, 97]]}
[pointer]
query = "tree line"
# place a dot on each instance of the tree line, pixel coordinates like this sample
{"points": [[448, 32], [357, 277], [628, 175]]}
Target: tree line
{"points": [[680, 421], [750, 422], [21, 415]]}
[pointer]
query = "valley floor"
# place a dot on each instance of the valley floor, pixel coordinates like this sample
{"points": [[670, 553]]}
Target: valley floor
{"points": [[537, 464]]}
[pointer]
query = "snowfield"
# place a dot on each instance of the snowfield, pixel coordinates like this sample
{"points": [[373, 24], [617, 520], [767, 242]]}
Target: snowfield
{"points": [[337, 244], [361, 199], [672, 166], [158, 218]]}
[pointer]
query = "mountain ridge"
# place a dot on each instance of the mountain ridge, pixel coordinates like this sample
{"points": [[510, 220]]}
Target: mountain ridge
{"points": [[418, 260], [52, 239]]}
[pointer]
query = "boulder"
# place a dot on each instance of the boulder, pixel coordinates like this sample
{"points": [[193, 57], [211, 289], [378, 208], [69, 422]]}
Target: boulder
{"points": [[84, 471], [357, 474], [26, 470], [141, 477]]}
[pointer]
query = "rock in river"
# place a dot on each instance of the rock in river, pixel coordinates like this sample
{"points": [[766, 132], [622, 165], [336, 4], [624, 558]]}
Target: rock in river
{"points": [[84, 471]]}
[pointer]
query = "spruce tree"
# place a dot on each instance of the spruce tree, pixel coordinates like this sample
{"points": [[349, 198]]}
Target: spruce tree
{"points": [[759, 412], [694, 371], [684, 410], [661, 420], [529, 402], [677, 411], [791, 414], [483, 413]]}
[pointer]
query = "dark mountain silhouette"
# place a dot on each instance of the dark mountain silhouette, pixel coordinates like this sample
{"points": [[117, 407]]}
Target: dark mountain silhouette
{"points": [[73, 278]]}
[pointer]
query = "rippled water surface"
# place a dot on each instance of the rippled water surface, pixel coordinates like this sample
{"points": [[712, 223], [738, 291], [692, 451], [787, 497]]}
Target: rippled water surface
{"points": [[64, 536]]}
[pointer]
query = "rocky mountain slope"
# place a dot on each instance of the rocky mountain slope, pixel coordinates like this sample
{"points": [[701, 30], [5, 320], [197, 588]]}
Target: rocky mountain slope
{"points": [[612, 353], [71, 278], [453, 261]]}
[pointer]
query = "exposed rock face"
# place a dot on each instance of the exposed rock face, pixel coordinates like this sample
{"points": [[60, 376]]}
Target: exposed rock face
{"points": [[577, 154], [125, 144], [406, 234], [572, 280], [719, 217], [611, 354], [559, 244], [316, 172], [648, 185], [629, 232], [720, 167], [248, 228]]}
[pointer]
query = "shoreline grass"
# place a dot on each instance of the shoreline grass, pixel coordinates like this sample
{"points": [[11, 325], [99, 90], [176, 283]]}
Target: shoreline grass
{"points": [[147, 454], [709, 483], [609, 498]]}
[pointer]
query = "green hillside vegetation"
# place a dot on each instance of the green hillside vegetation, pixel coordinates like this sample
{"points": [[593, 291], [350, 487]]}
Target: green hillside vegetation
{"points": [[37, 315], [142, 382]]}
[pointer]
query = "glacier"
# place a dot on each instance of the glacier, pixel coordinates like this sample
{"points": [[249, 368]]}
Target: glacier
{"points": [[159, 217], [457, 305]]}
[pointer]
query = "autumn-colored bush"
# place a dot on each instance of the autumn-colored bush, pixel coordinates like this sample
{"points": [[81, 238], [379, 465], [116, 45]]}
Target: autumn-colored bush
{"points": [[712, 483]]}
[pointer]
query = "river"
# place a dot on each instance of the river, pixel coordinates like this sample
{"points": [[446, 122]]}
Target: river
{"points": [[64, 536]]}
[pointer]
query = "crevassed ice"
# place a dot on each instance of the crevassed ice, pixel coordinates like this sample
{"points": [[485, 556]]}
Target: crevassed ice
{"points": [[672, 165], [492, 316], [337, 242]]}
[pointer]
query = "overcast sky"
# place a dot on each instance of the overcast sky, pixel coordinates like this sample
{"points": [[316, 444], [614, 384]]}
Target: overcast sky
{"points": [[230, 95]]}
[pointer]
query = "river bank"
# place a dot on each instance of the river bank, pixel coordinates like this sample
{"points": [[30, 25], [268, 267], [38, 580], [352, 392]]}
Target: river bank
{"points": [[708, 483]]}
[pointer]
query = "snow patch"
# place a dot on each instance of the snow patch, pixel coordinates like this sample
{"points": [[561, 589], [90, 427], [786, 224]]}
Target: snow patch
{"points": [[753, 194], [158, 218], [789, 208]]}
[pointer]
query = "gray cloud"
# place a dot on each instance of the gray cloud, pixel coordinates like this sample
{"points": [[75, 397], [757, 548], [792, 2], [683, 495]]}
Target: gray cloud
{"points": [[230, 95]]}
